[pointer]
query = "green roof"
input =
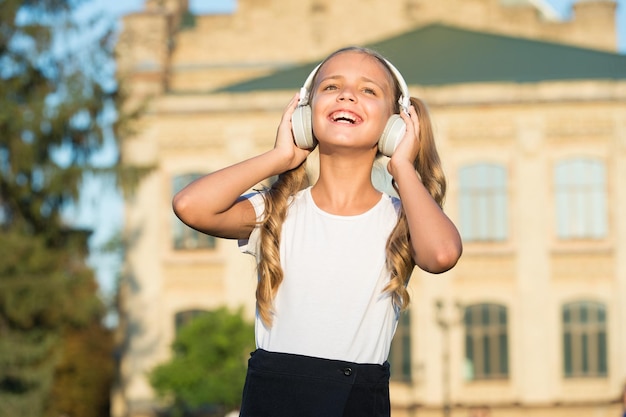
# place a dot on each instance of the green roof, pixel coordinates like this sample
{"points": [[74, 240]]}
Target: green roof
{"points": [[438, 55]]}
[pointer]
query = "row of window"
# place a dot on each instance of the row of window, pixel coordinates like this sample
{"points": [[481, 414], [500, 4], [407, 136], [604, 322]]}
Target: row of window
{"points": [[579, 192], [487, 349], [579, 199], [487, 344]]}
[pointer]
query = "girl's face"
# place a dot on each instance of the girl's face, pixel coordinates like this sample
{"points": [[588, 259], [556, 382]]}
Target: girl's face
{"points": [[352, 99]]}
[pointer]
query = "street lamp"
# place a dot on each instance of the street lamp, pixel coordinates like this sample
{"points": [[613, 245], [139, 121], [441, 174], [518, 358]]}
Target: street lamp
{"points": [[445, 323]]}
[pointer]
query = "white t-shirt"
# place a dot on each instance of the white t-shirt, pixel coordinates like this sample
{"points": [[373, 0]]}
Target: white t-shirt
{"points": [[331, 302]]}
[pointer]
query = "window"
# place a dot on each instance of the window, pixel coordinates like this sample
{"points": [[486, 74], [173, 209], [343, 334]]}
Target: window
{"points": [[584, 340], [183, 317], [184, 237], [483, 200], [580, 192], [486, 342], [400, 353]]}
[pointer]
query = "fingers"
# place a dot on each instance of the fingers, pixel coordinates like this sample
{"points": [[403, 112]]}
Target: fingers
{"points": [[285, 143], [285, 126], [412, 127], [285, 122], [411, 120], [291, 107], [408, 147]]}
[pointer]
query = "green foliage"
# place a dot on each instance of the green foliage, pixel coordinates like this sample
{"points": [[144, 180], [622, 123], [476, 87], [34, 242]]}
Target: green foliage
{"points": [[47, 105], [83, 378], [46, 295], [209, 360], [57, 110], [31, 299]]}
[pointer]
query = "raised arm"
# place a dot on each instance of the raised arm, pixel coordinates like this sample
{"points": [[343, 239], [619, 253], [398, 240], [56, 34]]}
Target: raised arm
{"points": [[212, 204], [435, 240]]}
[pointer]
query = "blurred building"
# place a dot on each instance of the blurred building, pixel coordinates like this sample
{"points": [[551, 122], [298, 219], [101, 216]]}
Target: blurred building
{"points": [[530, 116]]}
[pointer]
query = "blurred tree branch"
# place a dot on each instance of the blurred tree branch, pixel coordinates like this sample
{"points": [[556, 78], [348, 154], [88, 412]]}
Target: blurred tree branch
{"points": [[59, 106]]}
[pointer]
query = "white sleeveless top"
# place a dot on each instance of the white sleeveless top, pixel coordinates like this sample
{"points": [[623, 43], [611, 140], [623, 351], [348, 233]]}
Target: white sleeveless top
{"points": [[331, 302]]}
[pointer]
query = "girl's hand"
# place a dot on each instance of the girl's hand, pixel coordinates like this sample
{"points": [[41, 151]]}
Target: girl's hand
{"points": [[407, 149], [285, 144]]}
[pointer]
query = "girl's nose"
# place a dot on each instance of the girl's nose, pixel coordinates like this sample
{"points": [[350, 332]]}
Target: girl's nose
{"points": [[346, 94]]}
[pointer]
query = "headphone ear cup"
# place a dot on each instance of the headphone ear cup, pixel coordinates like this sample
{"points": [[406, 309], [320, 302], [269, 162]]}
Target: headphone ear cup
{"points": [[392, 135], [301, 127]]}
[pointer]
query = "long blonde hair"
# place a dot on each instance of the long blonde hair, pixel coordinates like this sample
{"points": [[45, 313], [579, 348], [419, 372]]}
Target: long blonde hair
{"points": [[399, 259]]}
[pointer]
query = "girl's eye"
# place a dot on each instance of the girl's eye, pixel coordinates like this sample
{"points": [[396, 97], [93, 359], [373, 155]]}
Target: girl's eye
{"points": [[330, 87], [369, 91]]}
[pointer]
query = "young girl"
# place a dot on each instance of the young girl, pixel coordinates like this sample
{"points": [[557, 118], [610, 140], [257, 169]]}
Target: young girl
{"points": [[334, 258]]}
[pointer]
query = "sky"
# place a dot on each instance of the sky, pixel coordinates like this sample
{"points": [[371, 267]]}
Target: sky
{"points": [[121, 7], [101, 208]]}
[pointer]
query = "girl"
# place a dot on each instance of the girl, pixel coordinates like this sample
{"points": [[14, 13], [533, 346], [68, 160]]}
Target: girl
{"points": [[334, 258]]}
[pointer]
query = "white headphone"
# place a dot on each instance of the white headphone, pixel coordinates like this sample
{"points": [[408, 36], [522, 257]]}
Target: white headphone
{"points": [[392, 134]]}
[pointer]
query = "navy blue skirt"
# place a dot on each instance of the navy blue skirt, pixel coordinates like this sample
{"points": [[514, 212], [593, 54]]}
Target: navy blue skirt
{"points": [[286, 385]]}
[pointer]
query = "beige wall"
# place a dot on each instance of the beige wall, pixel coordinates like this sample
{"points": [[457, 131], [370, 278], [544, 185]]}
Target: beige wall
{"points": [[525, 127]]}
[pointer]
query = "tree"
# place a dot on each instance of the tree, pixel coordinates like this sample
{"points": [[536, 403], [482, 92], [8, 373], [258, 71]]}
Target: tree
{"points": [[208, 366], [83, 378], [57, 110], [50, 319]]}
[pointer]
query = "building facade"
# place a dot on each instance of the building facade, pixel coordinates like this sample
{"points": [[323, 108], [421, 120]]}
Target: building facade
{"points": [[530, 119]]}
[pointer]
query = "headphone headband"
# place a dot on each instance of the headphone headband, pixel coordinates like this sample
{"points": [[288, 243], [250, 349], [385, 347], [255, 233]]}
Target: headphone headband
{"points": [[306, 88], [404, 100]]}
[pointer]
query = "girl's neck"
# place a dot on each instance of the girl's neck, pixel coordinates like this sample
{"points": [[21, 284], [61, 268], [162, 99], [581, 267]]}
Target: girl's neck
{"points": [[345, 189]]}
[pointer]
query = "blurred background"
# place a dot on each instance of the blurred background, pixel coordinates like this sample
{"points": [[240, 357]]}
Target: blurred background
{"points": [[109, 306]]}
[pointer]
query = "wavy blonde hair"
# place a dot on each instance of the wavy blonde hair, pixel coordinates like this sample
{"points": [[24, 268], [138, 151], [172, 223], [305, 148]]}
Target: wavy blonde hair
{"points": [[399, 259]]}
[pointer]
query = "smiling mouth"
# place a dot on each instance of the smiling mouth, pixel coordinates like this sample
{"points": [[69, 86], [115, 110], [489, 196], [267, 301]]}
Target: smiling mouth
{"points": [[344, 117]]}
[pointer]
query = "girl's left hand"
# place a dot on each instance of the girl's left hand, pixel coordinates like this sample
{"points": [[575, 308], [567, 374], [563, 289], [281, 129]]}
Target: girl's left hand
{"points": [[408, 148]]}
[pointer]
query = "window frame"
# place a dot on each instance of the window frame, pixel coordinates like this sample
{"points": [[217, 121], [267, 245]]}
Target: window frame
{"points": [[483, 194], [486, 342], [580, 199], [585, 341], [400, 358]]}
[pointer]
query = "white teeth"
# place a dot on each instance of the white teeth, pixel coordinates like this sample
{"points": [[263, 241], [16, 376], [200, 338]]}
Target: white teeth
{"points": [[343, 116]]}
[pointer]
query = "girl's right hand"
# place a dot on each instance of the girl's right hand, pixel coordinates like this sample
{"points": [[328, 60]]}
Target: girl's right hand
{"points": [[291, 154], [408, 148]]}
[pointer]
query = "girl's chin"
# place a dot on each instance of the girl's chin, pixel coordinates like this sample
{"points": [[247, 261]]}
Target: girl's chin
{"points": [[347, 144]]}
